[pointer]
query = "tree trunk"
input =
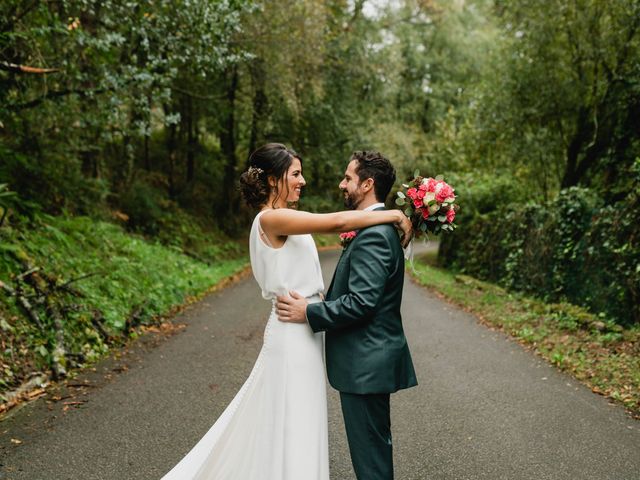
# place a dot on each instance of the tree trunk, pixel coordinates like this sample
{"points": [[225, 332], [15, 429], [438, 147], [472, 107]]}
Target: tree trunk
{"points": [[191, 141], [228, 203], [570, 178], [90, 164], [127, 162], [147, 160], [259, 104], [171, 155]]}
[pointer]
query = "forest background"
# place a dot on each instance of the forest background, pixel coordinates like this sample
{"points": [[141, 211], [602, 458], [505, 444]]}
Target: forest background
{"points": [[124, 126]]}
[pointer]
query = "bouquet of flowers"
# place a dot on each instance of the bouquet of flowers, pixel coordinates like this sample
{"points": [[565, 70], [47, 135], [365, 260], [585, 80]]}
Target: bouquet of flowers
{"points": [[430, 204]]}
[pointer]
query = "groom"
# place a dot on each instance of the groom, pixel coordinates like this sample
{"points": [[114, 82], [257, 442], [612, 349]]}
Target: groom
{"points": [[366, 351]]}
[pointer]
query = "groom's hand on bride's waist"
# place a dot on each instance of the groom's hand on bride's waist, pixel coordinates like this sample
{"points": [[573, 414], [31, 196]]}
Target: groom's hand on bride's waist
{"points": [[292, 308]]}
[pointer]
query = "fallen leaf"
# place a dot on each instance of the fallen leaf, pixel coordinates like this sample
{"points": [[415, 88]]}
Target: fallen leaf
{"points": [[36, 393]]}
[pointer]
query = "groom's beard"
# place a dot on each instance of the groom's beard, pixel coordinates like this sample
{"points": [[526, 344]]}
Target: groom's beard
{"points": [[352, 200]]}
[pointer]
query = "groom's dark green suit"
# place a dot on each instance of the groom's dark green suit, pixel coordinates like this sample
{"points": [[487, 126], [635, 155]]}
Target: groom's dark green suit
{"points": [[366, 350]]}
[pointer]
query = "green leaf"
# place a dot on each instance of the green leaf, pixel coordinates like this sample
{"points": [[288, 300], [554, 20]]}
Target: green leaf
{"points": [[416, 173], [401, 195], [10, 248], [442, 218], [5, 325], [400, 201], [440, 177]]}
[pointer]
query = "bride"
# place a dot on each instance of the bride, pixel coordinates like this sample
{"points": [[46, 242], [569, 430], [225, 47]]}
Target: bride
{"points": [[276, 426]]}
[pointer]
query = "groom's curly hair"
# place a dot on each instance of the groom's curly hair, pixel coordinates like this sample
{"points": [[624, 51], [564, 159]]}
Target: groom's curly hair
{"points": [[374, 165]]}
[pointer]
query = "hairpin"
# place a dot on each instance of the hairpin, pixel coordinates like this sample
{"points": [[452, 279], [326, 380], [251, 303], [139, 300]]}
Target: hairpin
{"points": [[255, 171]]}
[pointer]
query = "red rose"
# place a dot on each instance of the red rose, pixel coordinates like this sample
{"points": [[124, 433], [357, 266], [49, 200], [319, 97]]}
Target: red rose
{"points": [[411, 193], [451, 214], [417, 203], [425, 213], [347, 237], [443, 191], [431, 184]]}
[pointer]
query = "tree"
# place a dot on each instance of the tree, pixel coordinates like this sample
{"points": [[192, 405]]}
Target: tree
{"points": [[574, 74]]}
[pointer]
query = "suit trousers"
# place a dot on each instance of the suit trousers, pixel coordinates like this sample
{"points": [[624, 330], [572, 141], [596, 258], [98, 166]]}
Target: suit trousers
{"points": [[367, 419]]}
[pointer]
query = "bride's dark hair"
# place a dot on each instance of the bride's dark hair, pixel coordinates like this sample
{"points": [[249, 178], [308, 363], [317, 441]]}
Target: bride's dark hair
{"points": [[268, 161]]}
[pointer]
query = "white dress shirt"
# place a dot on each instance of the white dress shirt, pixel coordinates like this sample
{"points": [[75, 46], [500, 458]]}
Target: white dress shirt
{"points": [[373, 207]]}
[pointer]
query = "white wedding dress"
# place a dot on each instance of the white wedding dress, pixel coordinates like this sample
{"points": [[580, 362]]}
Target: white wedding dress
{"points": [[276, 426]]}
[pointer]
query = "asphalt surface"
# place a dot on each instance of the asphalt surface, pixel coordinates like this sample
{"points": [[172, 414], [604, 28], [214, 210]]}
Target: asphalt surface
{"points": [[485, 408]]}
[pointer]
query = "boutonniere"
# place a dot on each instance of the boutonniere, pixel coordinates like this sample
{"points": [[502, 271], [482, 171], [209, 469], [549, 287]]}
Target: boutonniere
{"points": [[347, 237]]}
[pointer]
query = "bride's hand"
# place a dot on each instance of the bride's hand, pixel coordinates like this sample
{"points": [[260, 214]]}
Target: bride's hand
{"points": [[404, 225]]}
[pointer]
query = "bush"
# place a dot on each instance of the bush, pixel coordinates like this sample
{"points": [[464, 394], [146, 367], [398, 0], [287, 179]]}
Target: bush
{"points": [[142, 204], [97, 280], [570, 249]]}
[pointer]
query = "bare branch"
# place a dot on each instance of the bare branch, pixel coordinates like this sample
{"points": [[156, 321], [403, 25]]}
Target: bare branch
{"points": [[81, 277], [14, 68], [52, 95], [28, 272], [24, 303]]}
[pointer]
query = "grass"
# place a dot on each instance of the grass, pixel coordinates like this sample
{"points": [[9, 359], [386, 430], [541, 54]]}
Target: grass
{"points": [[129, 277], [603, 355]]}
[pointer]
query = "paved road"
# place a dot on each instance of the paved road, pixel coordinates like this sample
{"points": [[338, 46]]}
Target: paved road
{"points": [[485, 408]]}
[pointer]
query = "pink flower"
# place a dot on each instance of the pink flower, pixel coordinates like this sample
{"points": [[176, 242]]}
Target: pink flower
{"points": [[346, 237], [431, 185], [451, 214], [421, 193], [443, 191], [411, 193], [417, 202], [425, 213], [422, 187]]}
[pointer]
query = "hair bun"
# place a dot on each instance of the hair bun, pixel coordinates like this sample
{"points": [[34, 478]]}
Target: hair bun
{"points": [[254, 187]]}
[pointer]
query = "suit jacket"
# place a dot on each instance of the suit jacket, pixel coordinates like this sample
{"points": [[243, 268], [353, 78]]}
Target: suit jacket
{"points": [[366, 349]]}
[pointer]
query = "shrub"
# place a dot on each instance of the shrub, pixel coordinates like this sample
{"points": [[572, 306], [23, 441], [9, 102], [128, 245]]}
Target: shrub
{"points": [[572, 248]]}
